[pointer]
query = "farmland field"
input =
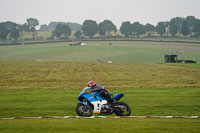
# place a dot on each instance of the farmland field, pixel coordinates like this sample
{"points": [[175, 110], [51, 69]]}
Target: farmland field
{"points": [[45, 79]]}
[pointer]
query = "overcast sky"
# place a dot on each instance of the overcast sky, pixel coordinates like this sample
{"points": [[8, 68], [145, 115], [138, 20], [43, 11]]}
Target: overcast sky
{"points": [[118, 11]]}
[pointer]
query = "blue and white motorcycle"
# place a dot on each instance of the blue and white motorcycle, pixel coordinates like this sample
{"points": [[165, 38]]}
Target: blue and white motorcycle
{"points": [[94, 103]]}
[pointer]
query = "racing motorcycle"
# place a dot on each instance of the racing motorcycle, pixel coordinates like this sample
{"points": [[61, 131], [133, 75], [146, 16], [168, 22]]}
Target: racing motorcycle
{"points": [[94, 103]]}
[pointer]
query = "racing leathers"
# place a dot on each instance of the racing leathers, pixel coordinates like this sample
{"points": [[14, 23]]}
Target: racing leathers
{"points": [[103, 92]]}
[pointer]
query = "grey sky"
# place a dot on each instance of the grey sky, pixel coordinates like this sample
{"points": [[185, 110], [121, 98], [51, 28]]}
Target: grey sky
{"points": [[144, 11]]}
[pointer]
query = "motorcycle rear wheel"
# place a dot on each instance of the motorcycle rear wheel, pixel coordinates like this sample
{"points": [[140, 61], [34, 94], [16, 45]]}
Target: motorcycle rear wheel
{"points": [[83, 110], [122, 109]]}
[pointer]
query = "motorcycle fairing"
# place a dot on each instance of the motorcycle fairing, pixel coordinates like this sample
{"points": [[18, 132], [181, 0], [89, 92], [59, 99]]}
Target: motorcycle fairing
{"points": [[97, 106]]}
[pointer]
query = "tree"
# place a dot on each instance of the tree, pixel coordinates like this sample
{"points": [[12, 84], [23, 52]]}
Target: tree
{"points": [[13, 30], [66, 30], [190, 22], [126, 28], [58, 31], [9, 29], [149, 27], [44, 27], [197, 27], [173, 29], [10, 25], [62, 29], [101, 29], [185, 29], [32, 23], [74, 26], [14, 33], [161, 28], [52, 26], [89, 28], [78, 33], [23, 28], [138, 28], [3, 31], [106, 26], [175, 25]]}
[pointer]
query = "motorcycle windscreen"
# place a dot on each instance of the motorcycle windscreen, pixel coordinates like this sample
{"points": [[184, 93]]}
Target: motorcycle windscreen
{"points": [[118, 96]]}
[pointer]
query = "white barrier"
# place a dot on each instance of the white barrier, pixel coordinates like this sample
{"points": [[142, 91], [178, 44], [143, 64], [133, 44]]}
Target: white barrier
{"points": [[64, 117]]}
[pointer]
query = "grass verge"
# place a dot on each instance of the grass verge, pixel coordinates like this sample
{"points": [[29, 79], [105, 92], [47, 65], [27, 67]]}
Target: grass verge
{"points": [[85, 125]]}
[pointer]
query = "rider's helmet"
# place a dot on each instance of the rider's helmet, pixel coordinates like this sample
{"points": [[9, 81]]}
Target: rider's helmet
{"points": [[91, 84]]}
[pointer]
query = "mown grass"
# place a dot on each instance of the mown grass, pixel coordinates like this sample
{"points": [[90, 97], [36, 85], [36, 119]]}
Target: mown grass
{"points": [[61, 75], [85, 125], [51, 88], [44, 80], [119, 52], [143, 102]]}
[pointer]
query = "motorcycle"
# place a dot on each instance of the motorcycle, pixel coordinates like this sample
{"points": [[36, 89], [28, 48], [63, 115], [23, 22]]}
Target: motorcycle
{"points": [[94, 103]]}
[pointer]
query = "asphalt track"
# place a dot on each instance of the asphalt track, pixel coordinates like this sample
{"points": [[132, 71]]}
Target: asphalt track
{"points": [[64, 117]]}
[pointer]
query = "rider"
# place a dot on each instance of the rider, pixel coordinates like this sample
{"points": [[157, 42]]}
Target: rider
{"points": [[100, 90]]}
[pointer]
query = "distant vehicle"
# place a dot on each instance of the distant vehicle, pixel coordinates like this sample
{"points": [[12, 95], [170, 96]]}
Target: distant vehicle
{"points": [[173, 58], [77, 44]]}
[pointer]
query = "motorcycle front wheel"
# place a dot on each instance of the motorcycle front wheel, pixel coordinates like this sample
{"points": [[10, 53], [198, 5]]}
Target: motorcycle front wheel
{"points": [[122, 109], [83, 110]]}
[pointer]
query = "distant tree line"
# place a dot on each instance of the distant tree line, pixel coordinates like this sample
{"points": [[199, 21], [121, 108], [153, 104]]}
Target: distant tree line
{"points": [[189, 26], [52, 25], [11, 30]]}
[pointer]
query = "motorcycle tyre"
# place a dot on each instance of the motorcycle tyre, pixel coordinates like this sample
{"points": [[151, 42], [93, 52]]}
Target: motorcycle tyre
{"points": [[119, 113], [81, 114]]}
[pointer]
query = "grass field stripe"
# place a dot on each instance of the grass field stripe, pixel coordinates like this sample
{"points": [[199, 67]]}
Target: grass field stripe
{"points": [[40, 117]]}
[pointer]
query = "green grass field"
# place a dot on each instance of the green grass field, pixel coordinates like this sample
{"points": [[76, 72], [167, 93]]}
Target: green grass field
{"points": [[143, 102], [85, 125], [45, 79], [139, 52]]}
